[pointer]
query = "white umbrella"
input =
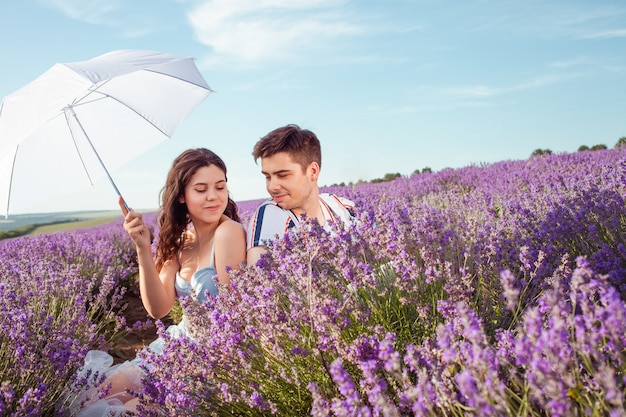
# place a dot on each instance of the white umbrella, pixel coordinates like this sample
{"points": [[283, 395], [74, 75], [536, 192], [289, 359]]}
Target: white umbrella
{"points": [[79, 120]]}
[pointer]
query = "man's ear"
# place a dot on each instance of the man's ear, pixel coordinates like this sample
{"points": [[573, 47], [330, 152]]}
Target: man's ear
{"points": [[313, 171]]}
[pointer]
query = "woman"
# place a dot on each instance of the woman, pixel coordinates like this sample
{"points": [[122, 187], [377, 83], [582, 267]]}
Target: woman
{"points": [[199, 237]]}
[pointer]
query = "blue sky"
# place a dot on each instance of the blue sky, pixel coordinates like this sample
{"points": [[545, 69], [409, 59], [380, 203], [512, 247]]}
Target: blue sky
{"points": [[388, 86]]}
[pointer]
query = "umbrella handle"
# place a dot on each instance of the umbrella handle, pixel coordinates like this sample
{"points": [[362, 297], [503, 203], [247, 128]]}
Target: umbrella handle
{"points": [[122, 202]]}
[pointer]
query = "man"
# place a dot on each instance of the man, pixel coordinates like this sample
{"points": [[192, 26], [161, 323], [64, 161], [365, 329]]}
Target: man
{"points": [[291, 159]]}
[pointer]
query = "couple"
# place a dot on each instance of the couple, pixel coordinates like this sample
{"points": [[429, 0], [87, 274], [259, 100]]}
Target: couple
{"points": [[189, 258]]}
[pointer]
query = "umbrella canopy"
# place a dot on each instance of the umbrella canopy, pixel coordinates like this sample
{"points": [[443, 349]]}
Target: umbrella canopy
{"points": [[75, 122]]}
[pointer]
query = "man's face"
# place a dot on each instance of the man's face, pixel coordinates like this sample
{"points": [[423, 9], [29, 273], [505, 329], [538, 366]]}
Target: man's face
{"points": [[290, 187]]}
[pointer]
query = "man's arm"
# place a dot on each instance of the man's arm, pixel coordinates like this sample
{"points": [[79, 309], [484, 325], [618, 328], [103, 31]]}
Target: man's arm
{"points": [[254, 254], [269, 222]]}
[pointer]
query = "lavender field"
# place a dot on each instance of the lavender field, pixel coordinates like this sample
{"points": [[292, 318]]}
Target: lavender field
{"points": [[495, 290]]}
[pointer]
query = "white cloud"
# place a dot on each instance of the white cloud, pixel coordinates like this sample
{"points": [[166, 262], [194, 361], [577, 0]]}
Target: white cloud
{"points": [[606, 34], [479, 91], [439, 98], [432, 107], [542, 81], [129, 19], [409, 29], [570, 63], [615, 68], [252, 31], [86, 11], [589, 13], [556, 19], [482, 91]]}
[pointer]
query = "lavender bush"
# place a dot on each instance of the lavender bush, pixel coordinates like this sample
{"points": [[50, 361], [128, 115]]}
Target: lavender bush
{"points": [[487, 290], [60, 296]]}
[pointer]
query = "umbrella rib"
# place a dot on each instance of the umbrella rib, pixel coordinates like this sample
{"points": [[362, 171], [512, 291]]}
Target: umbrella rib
{"points": [[106, 171], [17, 147], [80, 156], [177, 78], [105, 96]]}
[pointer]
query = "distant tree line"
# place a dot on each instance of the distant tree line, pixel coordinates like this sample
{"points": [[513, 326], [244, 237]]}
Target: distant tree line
{"points": [[582, 148], [388, 177], [29, 228], [537, 152]]}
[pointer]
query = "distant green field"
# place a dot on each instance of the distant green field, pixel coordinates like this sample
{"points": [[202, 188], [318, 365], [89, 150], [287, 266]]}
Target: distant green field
{"points": [[54, 226], [65, 226]]}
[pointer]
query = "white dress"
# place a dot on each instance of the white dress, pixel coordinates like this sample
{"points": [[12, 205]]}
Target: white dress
{"points": [[203, 284]]}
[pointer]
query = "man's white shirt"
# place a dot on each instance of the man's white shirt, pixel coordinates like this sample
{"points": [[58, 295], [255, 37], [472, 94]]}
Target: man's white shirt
{"points": [[270, 222]]}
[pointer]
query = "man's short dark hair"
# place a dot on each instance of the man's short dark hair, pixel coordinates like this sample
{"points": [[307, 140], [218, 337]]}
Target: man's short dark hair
{"points": [[301, 144]]}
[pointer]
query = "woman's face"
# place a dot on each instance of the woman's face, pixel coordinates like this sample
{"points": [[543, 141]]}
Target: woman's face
{"points": [[206, 195]]}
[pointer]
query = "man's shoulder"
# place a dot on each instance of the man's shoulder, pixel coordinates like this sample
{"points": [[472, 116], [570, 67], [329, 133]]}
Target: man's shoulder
{"points": [[268, 221], [269, 208], [334, 197], [270, 205], [339, 204]]}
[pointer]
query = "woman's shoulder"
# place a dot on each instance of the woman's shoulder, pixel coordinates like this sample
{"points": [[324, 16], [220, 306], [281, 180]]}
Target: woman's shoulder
{"points": [[229, 226]]}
